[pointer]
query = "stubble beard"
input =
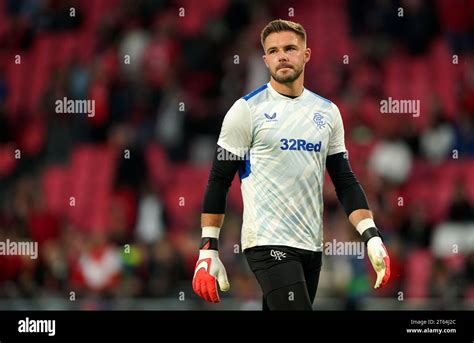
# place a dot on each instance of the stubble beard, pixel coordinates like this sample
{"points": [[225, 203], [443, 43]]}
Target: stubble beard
{"points": [[287, 78]]}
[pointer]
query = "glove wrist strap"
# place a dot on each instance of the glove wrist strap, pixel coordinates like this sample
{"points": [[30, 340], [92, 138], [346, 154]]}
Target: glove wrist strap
{"points": [[370, 233], [209, 243], [367, 229], [210, 238]]}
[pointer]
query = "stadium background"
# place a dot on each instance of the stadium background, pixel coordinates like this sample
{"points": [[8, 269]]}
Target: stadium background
{"points": [[114, 200]]}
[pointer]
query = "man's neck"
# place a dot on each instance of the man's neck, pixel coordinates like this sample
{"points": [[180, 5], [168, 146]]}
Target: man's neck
{"points": [[292, 89]]}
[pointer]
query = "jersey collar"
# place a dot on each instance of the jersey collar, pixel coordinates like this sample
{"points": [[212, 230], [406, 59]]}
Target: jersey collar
{"points": [[281, 96]]}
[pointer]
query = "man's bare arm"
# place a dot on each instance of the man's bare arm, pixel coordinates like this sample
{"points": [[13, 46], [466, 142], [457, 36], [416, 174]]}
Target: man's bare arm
{"points": [[358, 215], [210, 219]]}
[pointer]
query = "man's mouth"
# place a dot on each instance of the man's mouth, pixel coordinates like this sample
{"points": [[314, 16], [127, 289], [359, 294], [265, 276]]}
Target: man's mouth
{"points": [[285, 66]]}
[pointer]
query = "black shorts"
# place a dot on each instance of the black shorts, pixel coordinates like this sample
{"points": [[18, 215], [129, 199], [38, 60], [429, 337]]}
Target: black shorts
{"points": [[288, 276]]}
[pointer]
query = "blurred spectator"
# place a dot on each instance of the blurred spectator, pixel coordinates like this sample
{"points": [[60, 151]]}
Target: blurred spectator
{"points": [[131, 49], [440, 288], [150, 225], [419, 25], [460, 210], [3, 89], [392, 160], [56, 15], [55, 267], [169, 128], [438, 139], [469, 268], [98, 268], [160, 57], [122, 215], [456, 22], [416, 229], [166, 270], [78, 79], [464, 135], [130, 160]]}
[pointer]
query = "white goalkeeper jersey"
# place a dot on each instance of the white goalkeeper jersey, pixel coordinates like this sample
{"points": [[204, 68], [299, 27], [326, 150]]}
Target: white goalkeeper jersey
{"points": [[285, 142]]}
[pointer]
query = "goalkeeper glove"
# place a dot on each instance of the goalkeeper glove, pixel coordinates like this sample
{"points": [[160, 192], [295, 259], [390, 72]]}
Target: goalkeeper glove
{"points": [[376, 250], [209, 267]]}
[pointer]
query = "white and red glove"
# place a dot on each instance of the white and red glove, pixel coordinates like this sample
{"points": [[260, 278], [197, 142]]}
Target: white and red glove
{"points": [[376, 250], [209, 268]]}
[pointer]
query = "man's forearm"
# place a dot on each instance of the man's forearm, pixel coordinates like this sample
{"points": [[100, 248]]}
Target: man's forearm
{"points": [[211, 219], [348, 189], [356, 216], [220, 179]]}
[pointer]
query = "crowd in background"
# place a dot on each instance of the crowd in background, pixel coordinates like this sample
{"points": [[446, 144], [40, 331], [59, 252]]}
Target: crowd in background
{"points": [[114, 199]]}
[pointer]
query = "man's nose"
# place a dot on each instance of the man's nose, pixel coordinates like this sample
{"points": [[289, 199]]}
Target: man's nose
{"points": [[282, 56]]}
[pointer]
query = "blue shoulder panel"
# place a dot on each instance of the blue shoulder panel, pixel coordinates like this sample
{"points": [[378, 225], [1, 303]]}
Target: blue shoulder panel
{"points": [[319, 96], [255, 92]]}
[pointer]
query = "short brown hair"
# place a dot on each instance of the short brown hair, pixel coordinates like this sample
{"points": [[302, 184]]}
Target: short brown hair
{"points": [[281, 25]]}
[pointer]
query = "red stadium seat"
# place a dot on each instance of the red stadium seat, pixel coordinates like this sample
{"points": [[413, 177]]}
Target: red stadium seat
{"points": [[418, 272], [67, 48], [54, 186], [395, 77], [90, 182], [469, 294], [42, 62], [184, 197], [8, 161], [420, 89], [158, 166], [444, 75], [18, 78]]}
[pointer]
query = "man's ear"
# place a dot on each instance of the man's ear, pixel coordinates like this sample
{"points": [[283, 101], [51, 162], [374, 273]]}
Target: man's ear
{"points": [[265, 60], [307, 55]]}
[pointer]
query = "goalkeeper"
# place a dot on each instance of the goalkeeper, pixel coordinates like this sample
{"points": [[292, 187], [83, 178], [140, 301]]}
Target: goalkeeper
{"points": [[281, 138]]}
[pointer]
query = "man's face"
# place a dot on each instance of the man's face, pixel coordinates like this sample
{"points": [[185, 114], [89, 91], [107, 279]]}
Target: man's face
{"points": [[285, 55]]}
